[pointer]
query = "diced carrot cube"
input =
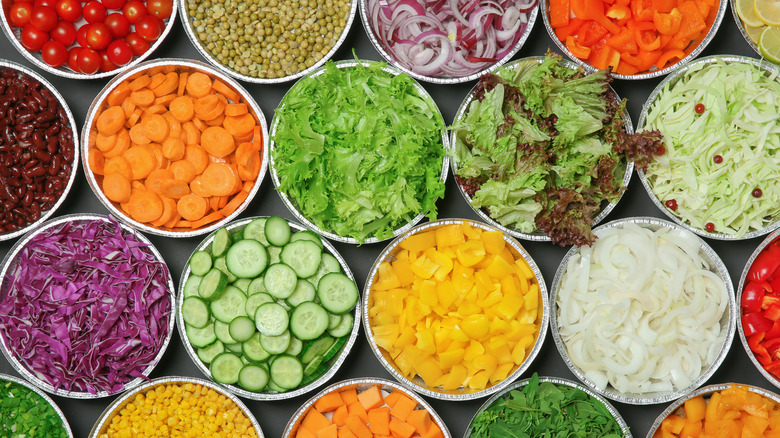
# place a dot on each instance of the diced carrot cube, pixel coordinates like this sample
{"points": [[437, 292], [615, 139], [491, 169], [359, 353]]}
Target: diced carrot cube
{"points": [[346, 433]]}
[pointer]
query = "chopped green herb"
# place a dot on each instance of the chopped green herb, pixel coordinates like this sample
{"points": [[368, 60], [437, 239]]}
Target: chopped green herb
{"points": [[25, 414], [546, 410]]}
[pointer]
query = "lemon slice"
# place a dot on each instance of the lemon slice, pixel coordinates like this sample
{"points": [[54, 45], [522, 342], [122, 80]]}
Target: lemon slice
{"points": [[747, 13], [768, 11], [754, 33], [769, 44]]}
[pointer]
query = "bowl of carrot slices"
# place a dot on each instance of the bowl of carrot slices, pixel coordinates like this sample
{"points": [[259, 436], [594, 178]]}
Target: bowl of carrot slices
{"points": [[174, 147], [366, 407], [638, 39], [728, 410]]}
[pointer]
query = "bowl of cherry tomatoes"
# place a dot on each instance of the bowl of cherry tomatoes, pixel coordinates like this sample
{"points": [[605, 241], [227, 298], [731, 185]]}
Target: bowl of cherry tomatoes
{"points": [[87, 40]]}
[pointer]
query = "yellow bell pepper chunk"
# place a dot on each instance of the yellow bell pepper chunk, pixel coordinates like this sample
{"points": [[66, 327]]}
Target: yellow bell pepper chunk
{"points": [[532, 298], [471, 233], [451, 357], [500, 268], [479, 380], [455, 378], [494, 241], [473, 350], [445, 294], [417, 243], [424, 267], [385, 335], [445, 265], [476, 326], [426, 290], [428, 369], [471, 252], [425, 342], [447, 236], [403, 271], [502, 372], [386, 278]]}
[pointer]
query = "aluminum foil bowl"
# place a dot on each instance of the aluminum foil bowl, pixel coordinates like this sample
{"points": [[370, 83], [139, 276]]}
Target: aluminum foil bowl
{"points": [[750, 33], [336, 362], [5, 378], [728, 321], [73, 163], [116, 407], [12, 259], [693, 50], [536, 236], [89, 133], [361, 384], [670, 81], [383, 49], [417, 383], [194, 27], [743, 281], [707, 392], [14, 35], [558, 382], [290, 203]]}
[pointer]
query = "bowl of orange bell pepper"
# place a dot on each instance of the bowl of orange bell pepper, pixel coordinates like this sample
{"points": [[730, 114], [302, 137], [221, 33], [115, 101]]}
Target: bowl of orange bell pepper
{"points": [[637, 39]]}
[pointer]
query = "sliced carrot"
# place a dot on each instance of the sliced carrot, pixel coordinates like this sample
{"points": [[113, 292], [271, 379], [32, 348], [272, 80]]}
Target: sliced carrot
{"points": [[198, 84], [156, 80], [173, 148], [174, 188], [143, 97], [191, 133], [217, 141], [164, 100], [155, 109], [174, 220], [155, 128], [118, 94], [169, 208], [371, 398], [192, 207], [142, 162], [232, 205], [174, 126], [219, 179], [156, 179], [182, 83], [379, 420], [240, 126], [197, 187], [223, 200], [199, 124], [169, 84], [328, 402], [198, 156], [144, 206], [223, 89], [214, 202], [129, 108], [139, 82], [236, 109], [118, 165], [216, 121], [182, 108], [156, 150], [122, 143], [96, 161], [207, 219], [205, 104], [257, 138], [183, 170], [105, 142], [134, 117], [111, 120], [137, 135], [213, 113], [116, 187]]}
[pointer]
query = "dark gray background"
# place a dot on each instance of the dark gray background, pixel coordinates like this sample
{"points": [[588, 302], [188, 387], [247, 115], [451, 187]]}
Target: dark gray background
{"points": [[273, 416]]}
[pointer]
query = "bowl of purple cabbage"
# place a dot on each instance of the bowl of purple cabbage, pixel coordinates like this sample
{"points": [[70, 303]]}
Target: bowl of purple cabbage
{"points": [[448, 41], [86, 306]]}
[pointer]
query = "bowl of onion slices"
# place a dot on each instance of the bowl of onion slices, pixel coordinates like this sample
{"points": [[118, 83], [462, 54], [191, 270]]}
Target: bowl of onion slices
{"points": [[448, 41], [644, 315]]}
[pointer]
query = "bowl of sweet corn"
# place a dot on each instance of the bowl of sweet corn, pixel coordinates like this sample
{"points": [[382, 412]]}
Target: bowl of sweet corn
{"points": [[177, 406], [456, 309]]}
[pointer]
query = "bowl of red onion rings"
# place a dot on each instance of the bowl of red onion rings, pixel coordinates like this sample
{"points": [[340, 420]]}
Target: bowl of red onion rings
{"points": [[448, 41]]}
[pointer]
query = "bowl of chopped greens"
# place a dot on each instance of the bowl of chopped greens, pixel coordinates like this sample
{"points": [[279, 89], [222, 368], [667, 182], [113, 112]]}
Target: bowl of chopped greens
{"points": [[717, 176], [86, 306], [26, 411], [358, 152], [267, 308], [550, 405], [543, 151]]}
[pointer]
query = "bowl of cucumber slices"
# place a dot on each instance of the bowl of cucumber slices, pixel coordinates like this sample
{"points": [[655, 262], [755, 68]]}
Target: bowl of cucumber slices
{"points": [[267, 308]]}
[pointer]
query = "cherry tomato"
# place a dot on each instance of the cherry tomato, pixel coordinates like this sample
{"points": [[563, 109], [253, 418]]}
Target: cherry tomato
{"points": [[161, 9], [149, 27], [134, 10], [65, 32], [118, 24], [717, 159], [49, 3], [94, 11], [89, 61], [105, 62], [33, 38], [81, 35], [699, 108], [69, 10], [137, 44], [73, 57], [44, 18], [113, 4], [709, 227], [98, 36], [757, 193], [119, 52], [19, 14], [54, 53]]}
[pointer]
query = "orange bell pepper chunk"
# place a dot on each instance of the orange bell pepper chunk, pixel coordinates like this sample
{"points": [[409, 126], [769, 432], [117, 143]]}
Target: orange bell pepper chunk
{"points": [[576, 49], [667, 23]]}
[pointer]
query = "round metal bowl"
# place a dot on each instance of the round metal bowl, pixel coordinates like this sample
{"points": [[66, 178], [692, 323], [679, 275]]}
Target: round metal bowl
{"points": [[386, 54], [743, 28], [73, 163], [667, 84], [14, 35], [728, 320], [713, 21], [705, 391], [8, 378], [89, 132], [536, 236], [769, 240], [11, 260], [558, 382], [290, 203], [336, 362], [104, 421], [361, 384], [192, 33], [462, 393]]}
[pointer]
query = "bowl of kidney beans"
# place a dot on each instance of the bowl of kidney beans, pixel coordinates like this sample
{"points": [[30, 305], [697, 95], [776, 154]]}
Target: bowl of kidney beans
{"points": [[87, 39], [38, 149]]}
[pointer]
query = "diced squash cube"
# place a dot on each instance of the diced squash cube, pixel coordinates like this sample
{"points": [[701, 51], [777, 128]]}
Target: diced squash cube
{"points": [[393, 397], [349, 395], [371, 398], [340, 416], [400, 428], [433, 432], [331, 431], [358, 426], [402, 407], [314, 420], [357, 410], [420, 420], [302, 432], [379, 421], [329, 402], [344, 432]]}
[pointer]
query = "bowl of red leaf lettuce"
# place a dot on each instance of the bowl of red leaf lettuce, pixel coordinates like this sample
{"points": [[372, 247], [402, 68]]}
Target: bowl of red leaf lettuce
{"points": [[543, 150]]}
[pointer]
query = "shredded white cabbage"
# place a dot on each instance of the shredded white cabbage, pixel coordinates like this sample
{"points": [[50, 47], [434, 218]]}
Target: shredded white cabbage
{"points": [[641, 310]]}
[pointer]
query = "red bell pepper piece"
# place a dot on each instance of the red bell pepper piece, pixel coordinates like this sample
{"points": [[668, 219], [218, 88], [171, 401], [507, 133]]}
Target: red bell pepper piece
{"points": [[570, 29], [752, 296], [641, 10], [590, 32], [753, 323], [765, 264], [577, 49], [774, 332], [754, 342], [667, 23], [773, 312], [773, 367], [559, 13], [624, 42]]}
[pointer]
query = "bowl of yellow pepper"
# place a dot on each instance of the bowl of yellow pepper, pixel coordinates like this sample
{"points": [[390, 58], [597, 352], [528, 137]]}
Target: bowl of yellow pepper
{"points": [[456, 309]]}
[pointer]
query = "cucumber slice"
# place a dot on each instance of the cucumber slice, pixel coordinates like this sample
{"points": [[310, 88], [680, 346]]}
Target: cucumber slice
{"points": [[337, 293], [271, 319], [235, 347], [344, 327], [333, 320], [274, 387], [221, 242], [207, 354], [273, 254], [212, 284], [307, 235], [191, 286], [316, 348], [328, 264], [287, 371], [230, 305], [256, 230], [222, 330], [253, 378], [295, 347], [312, 366], [200, 337], [304, 291], [308, 321], [277, 231], [225, 368], [252, 349], [246, 258], [304, 256], [280, 280], [334, 349], [322, 369], [276, 344], [195, 312], [200, 262], [243, 284], [241, 328], [255, 301], [221, 264], [256, 286]]}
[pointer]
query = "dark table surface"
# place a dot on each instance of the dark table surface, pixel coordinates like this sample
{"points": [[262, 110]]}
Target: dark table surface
{"points": [[273, 416]]}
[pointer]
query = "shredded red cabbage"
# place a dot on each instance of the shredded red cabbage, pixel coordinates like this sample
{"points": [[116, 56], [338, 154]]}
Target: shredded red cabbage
{"points": [[87, 307]]}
